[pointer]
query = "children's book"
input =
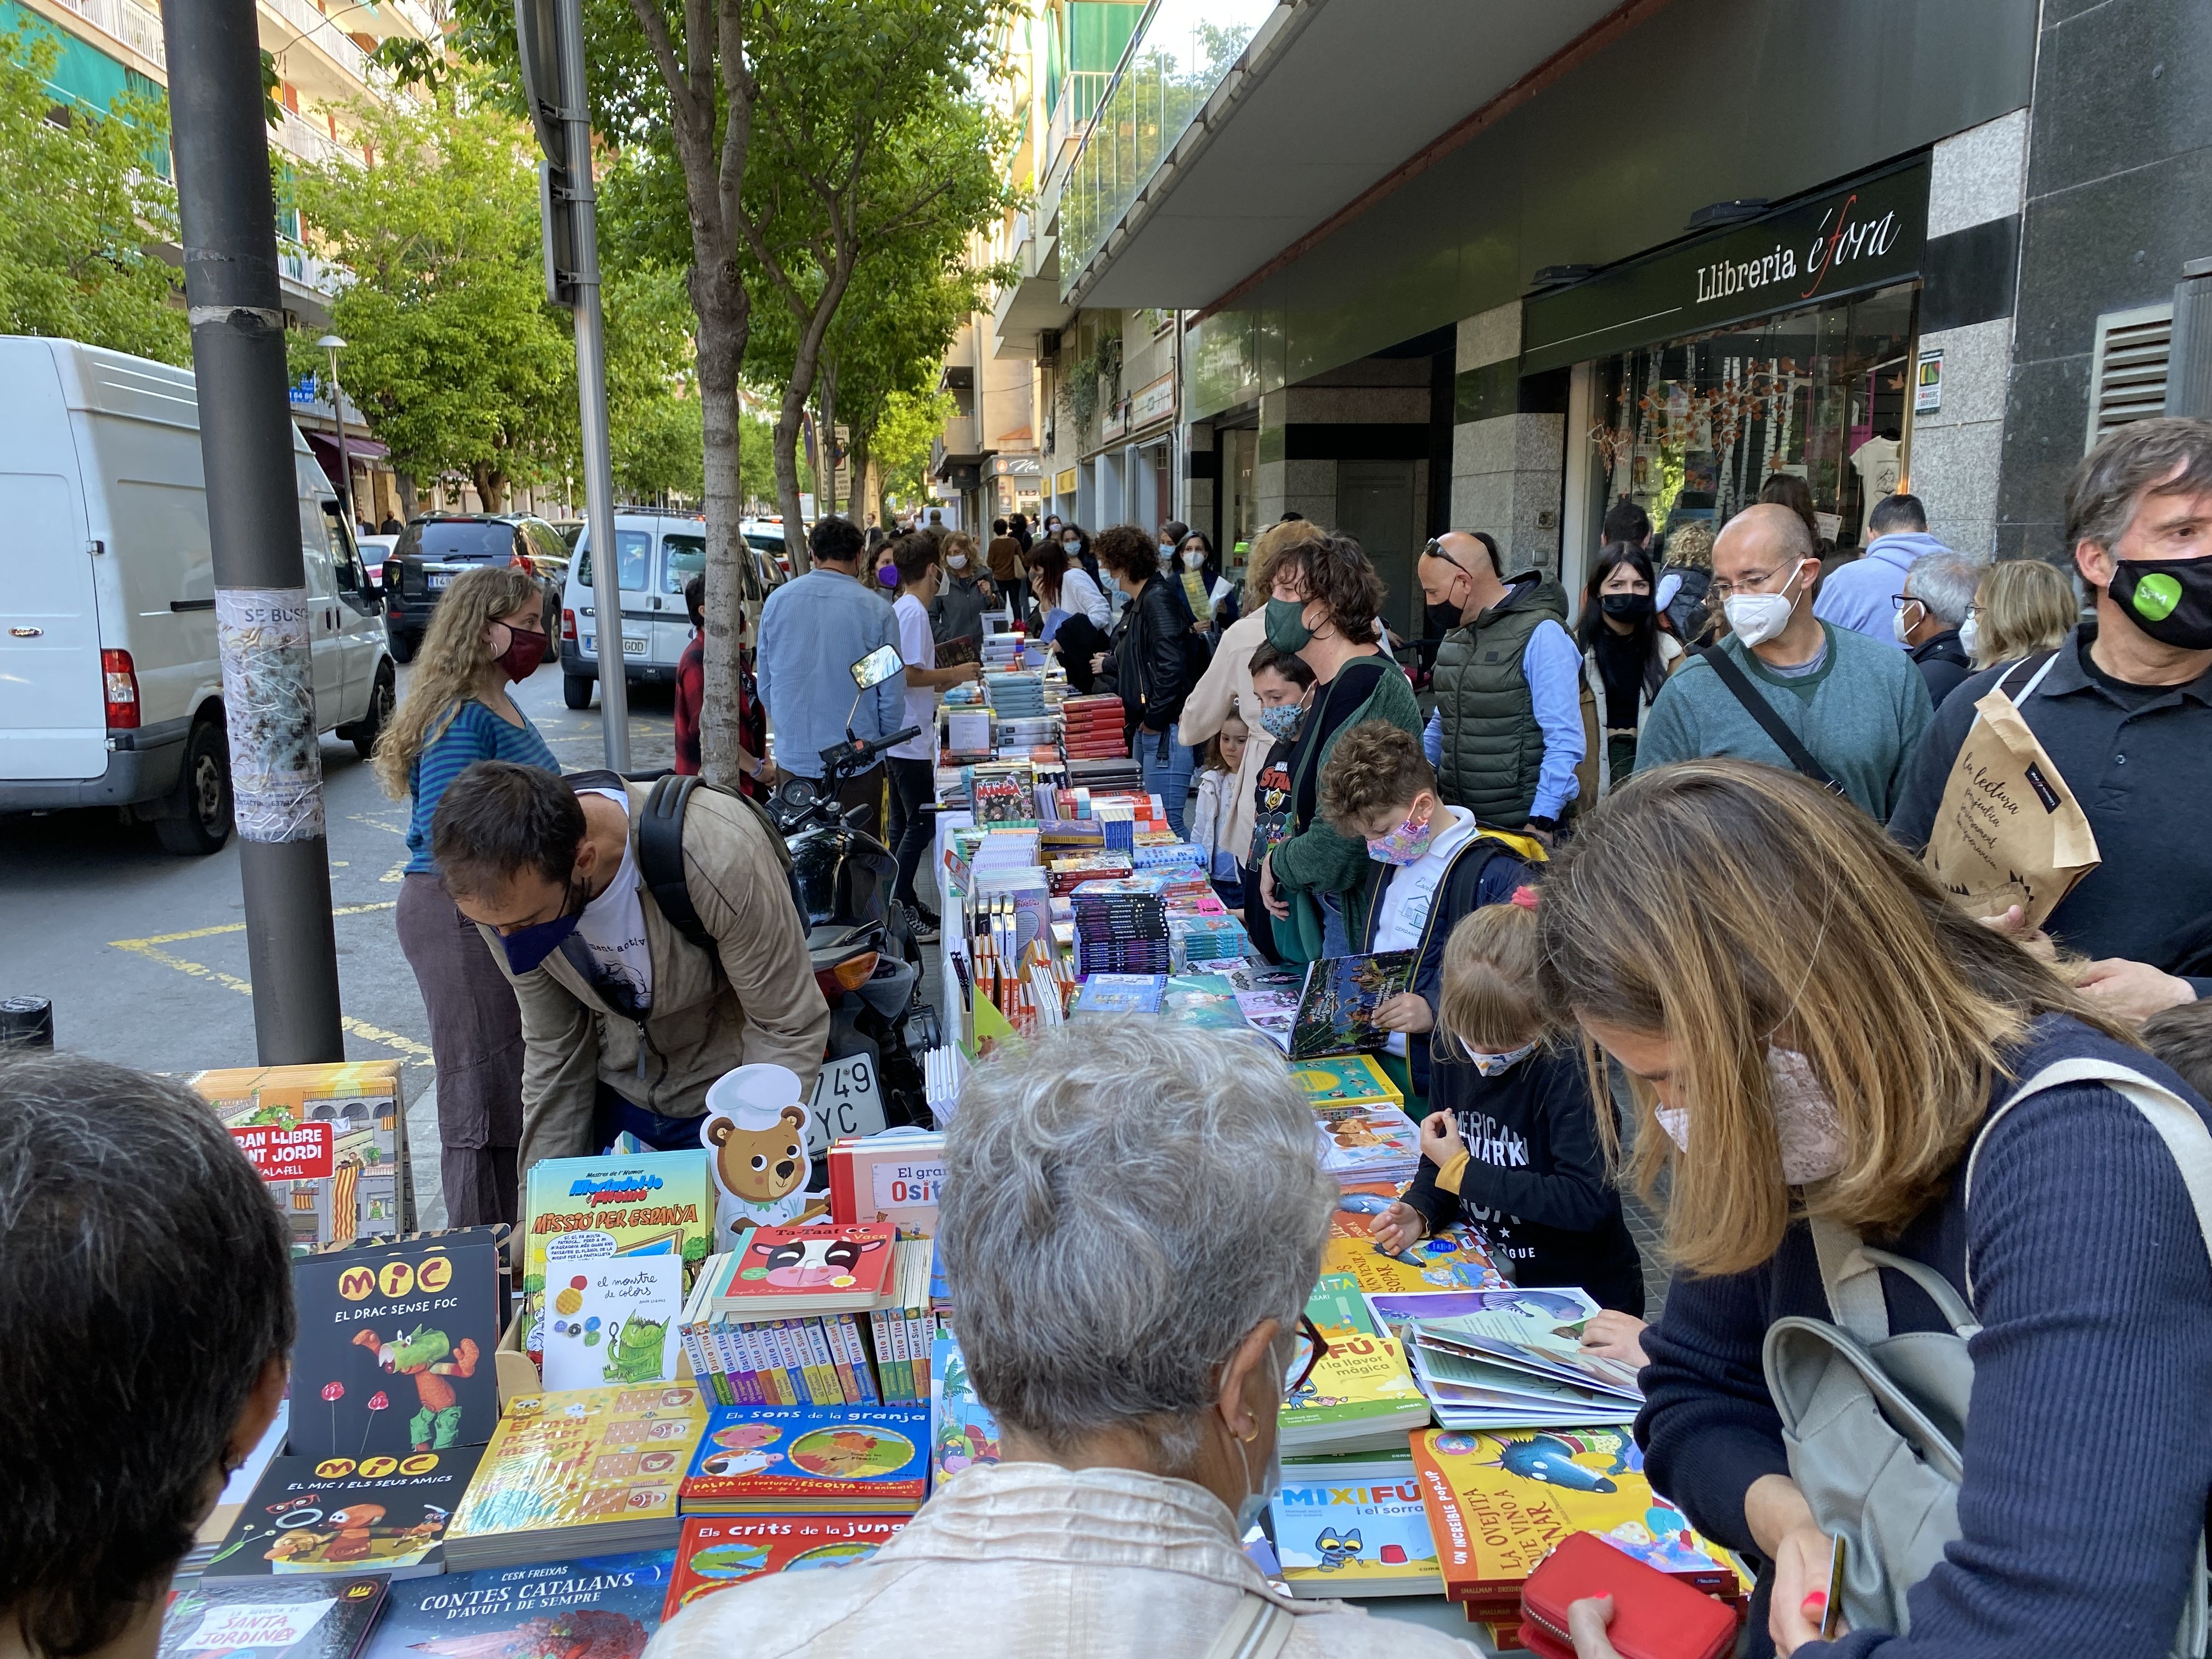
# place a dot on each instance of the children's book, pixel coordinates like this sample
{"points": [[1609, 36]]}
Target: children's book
{"points": [[893, 1176], [1336, 1011], [395, 1350], [1338, 1309], [272, 1619], [1353, 1527], [593, 1471], [962, 1432], [593, 1606], [615, 1322], [1361, 1397], [1120, 994], [329, 1141], [825, 1460], [1455, 1259], [717, 1552], [797, 1271], [1203, 1000], [239, 1487], [340, 1515], [582, 1210], [1347, 1080]]}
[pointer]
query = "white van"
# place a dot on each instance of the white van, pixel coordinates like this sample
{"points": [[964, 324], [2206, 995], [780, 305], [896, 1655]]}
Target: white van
{"points": [[110, 692], [656, 553]]}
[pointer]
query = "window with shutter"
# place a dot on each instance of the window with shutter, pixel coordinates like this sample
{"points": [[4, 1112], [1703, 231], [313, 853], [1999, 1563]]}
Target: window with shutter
{"points": [[2127, 374]]}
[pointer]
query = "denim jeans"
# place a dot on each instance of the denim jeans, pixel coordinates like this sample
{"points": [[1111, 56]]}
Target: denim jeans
{"points": [[1335, 939], [1166, 766]]}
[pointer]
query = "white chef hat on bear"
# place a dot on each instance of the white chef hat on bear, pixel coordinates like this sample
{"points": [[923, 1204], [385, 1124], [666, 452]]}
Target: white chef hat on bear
{"points": [[753, 1097]]}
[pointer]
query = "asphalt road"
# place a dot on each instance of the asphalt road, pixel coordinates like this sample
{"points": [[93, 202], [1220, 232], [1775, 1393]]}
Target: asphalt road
{"points": [[143, 953]]}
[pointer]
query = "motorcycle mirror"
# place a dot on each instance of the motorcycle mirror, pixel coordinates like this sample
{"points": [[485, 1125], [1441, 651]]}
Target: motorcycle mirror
{"points": [[879, 665]]}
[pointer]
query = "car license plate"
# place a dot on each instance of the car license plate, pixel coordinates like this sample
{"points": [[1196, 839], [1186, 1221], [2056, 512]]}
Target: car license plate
{"points": [[846, 1101], [437, 578], [633, 645]]}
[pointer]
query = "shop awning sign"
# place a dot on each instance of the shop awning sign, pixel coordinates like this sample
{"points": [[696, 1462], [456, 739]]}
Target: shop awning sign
{"points": [[1865, 234]]}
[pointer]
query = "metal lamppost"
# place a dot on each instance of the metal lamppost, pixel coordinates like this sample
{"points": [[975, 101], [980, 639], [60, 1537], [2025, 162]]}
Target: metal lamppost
{"points": [[332, 343]]}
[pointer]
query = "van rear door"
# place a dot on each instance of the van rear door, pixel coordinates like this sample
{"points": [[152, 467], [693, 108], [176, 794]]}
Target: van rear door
{"points": [[53, 719]]}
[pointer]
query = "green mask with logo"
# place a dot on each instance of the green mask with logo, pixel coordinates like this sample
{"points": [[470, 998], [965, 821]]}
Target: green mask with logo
{"points": [[1286, 625], [2170, 600]]}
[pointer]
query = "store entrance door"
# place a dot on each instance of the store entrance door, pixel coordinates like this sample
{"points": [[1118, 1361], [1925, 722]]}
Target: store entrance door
{"points": [[1375, 506]]}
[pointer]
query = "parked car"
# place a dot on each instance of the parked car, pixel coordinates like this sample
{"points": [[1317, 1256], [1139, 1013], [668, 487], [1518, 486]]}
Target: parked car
{"points": [[568, 529], [439, 546], [374, 550], [110, 690], [656, 551]]}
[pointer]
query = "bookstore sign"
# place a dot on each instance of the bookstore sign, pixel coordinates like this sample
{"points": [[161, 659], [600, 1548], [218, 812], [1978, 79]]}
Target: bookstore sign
{"points": [[1865, 234]]}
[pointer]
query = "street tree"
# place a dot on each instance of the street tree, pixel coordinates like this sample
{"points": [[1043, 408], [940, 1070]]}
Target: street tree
{"points": [[81, 198]]}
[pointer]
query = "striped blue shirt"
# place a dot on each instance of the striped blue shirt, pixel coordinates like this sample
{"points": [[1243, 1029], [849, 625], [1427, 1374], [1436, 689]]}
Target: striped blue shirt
{"points": [[475, 733]]}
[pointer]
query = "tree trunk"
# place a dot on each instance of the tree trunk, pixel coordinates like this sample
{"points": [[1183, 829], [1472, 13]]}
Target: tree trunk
{"points": [[724, 321], [491, 487], [864, 508], [788, 422], [825, 406], [805, 362], [404, 481]]}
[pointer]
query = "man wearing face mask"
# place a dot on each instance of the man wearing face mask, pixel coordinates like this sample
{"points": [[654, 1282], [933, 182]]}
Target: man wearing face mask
{"points": [[625, 1021], [1506, 734], [1785, 688], [2120, 707], [1931, 612]]}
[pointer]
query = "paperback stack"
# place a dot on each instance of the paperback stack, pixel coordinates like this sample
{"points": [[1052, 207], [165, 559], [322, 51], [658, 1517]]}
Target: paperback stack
{"points": [[1353, 1526], [1015, 696], [1195, 940], [1511, 1359], [1359, 1396], [1065, 874], [808, 1460], [1361, 1133], [1498, 1503], [1121, 927], [779, 1321], [1104, 772], [1095, 727]]}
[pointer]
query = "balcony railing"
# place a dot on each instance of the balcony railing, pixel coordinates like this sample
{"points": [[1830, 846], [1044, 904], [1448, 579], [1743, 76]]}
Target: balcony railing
{"points": [[1073, 105], [298, 136], [302, 17], [1184, 51], [127, 21], [303, 268]]}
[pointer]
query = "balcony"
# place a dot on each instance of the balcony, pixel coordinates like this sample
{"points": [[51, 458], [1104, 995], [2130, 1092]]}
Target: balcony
{"points": [[1074, 103], [345, 70], [309, 141], [126, 22]]}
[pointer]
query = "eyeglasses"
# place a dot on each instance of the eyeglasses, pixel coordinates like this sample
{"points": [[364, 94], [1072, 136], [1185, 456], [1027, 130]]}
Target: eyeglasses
{"points": [[1719, 590], [1311, 1346]]}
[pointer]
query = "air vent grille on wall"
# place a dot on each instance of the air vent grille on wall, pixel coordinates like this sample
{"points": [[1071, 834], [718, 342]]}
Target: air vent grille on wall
{"points": [[2127, 374]]}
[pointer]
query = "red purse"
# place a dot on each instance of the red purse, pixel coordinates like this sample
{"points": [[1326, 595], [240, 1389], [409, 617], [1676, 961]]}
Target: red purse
{"points": [[1654, 1616]]}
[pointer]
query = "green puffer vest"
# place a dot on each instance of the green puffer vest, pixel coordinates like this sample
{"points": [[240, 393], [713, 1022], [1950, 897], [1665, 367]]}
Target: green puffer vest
{"points": [[1493, 747]]}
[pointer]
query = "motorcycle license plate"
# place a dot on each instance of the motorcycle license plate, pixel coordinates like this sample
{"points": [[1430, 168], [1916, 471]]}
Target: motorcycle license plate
{"points": [[846, 1101]]}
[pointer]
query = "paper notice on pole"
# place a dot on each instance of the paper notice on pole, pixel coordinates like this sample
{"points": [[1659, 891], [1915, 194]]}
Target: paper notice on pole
{"points": [[262, 634]]}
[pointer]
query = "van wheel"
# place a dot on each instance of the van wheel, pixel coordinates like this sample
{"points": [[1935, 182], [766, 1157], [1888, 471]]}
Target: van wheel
{"points": [[383, 698], [576, 691], [199, 822]]}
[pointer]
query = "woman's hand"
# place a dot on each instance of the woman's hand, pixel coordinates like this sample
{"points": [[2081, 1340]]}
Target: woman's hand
{"points": [[1099, 662], [1586, 1622], [1399, 1228], [1406, 1011], [1783, 1527], [1440, 1139], [1277, 906], [1614, 1335]]}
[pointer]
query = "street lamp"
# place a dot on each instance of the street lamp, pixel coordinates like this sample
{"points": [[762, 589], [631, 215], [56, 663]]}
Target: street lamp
{"points": [[332, 343]]}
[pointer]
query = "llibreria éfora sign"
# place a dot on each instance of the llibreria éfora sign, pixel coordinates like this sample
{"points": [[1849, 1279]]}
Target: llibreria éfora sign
{"points": [[1866, 234]]}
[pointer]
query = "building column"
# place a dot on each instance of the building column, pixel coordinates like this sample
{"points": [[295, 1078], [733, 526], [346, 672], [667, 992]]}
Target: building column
{"points": [[1269, 469], [1974, 186], [1508, 445], [1201, 476]]}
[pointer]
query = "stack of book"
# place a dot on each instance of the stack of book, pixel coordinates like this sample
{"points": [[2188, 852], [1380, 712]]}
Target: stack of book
{"points": [[1014, 695], [1096, 726], [1353, 1526], [585, 1215], [1362, 1135], [1512, 1359], [1104, 772], [897, 1175], [1121, 927], [779, 1321], [810, 1460], [903, 1329], [1065, 874], [1360, 1396], [1498, 1503], [716, 1552], [1195, 940]]}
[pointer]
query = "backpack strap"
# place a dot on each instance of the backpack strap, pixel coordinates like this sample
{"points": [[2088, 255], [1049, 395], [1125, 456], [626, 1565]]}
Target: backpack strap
{"points": [[1256, 1628], [660, 858], [1740, 688]]}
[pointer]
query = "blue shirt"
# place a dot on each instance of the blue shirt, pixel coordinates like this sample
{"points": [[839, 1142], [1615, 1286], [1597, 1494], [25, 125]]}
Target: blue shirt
{"points": [[811, 631], [475, 733], [1861, 595], [1553, 666]]}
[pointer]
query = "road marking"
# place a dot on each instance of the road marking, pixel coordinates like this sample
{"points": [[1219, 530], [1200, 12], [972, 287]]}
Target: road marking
{"points": [[375, 824], [416, 1053], [398, 871]]}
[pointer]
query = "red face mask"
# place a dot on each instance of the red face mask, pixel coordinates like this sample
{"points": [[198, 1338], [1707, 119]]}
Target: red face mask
{"points": [[525, 650]]}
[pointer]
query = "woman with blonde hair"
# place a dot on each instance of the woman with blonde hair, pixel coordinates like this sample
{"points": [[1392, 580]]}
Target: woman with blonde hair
{"points": [[2020, 606], [1824, 1049], [488, 631]]}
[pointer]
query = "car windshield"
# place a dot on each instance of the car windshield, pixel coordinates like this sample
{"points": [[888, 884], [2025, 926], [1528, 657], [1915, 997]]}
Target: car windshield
{"points": [[464, 540], [632, 549], [682, 557]]}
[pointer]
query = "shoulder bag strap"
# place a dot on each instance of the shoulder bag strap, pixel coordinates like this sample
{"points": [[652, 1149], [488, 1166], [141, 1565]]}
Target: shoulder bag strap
{"points": [[1852, 1283], [1769, 722], [1257, 1628], [2028, 690]]}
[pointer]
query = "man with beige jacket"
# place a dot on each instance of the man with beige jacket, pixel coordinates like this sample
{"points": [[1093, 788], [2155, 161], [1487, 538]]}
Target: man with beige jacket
{"points": [[624, 1021]]}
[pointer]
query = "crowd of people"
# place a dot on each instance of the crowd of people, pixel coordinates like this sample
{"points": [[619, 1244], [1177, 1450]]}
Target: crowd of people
{"points": [[1658, 854]]}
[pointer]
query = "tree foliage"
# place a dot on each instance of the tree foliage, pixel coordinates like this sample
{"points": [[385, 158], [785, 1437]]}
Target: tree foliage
{"points": [[81, 202]]}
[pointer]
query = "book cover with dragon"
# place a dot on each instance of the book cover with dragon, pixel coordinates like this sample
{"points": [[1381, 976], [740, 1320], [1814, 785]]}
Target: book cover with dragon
{"points": [[717, 1552], [337, 1515], [601, 1607], [843, 1460]]}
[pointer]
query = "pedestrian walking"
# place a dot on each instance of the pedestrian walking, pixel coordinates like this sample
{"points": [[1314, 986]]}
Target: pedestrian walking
{"points": [[1863, 595]]}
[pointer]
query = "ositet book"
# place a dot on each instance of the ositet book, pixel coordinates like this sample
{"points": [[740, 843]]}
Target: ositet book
{"points": [[592, 1607], [395, 1349], [337, 1515], [826, 1460], [272, 1619], [717, 1552]]}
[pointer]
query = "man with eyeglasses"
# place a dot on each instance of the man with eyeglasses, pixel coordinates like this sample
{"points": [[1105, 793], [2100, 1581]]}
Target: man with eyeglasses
{"points": [[1785, 688], [1507, 732]]}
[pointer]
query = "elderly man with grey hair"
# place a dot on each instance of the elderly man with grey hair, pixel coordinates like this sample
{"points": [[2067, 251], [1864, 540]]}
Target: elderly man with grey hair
{"points": [[1939, 591], [1133, 1219]]}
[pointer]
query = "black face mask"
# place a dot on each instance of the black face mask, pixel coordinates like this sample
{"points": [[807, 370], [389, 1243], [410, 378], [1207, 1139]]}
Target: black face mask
{"points": [[2170, 600], [1625, 607], [1442, 619]]}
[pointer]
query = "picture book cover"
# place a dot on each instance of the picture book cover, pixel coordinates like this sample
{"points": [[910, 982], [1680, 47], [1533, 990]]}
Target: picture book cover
{"points": [[1203, 1000], [1347, 1080], [582, 1210], [718, 1550], [272, 1619], [1120, 994], [615, 1322], [1397, 1309], [828, 1268], [893, 1176], [327, 1140], [1454, 1260], [337, 1515], [1525, 1335], [1336, 1011], [559, 1460], [1338, 1307], [1373, 1136], [962, 1432], [588, 1606], [1353, 1527], [1498, 1503], [395, 1348], [1360, 1379], [852, 1459]]}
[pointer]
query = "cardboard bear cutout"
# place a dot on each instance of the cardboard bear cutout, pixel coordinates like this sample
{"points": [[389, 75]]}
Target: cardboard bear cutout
{"points": [[755, 1127]]}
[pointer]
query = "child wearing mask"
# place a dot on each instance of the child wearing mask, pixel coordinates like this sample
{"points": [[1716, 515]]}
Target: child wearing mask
{"points": [[1428, 866], [1284, 685], [1217, 780], [1511, 1147]]}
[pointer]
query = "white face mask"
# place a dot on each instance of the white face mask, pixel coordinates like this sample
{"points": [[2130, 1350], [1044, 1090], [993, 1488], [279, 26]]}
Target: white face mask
{"points": [[1900, 628], [957, 560], [1806, 1127], [1493, 1065], [1194, 558], [1755, 618], [1970, 633]]}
